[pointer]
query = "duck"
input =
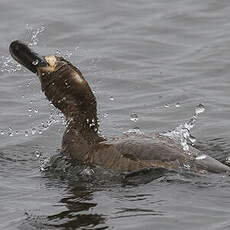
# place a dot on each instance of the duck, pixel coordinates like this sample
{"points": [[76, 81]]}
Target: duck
{"points": [[66, 88]]}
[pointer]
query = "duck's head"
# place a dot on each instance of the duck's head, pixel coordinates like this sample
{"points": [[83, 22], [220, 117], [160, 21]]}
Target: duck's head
{"points": [[62, 83]]}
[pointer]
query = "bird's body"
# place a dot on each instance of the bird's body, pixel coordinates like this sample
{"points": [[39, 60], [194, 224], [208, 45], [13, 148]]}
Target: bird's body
{"points": [[65, 86]]}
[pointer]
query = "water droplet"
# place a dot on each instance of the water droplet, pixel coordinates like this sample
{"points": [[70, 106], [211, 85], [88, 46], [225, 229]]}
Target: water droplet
{"points": [[11, 134], [203, 171], [87, 172], [177, 105], [185, 146], [134, 117], [19, 67], [189, 125], [111, 98], [26, 133], [187, 166], [105, 115], [227, 160], [58, 52], [61, 115], [135, 130], [34, 35], [35, 62], [2, 132], [192, 139], [36, 110], [68, 54], [166, 105], [199, 109], [37, 153], [45, 126], [185, 134], [33, 131], [44, 164], [39, 131], [201, 157]]}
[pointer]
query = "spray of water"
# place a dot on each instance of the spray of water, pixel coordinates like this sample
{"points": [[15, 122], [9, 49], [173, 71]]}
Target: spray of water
{"points": [[54, 118], [182, 133], [34, 33]]}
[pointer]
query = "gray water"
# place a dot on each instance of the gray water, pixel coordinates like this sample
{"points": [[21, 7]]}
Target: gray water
{"points": [[157, 59]]}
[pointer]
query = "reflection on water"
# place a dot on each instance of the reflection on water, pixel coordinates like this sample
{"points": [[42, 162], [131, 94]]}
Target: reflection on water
{"points": [[78, 204]]}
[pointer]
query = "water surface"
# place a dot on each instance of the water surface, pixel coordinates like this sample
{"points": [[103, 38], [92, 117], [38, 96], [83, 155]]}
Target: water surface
{"points": [[156, 59]]}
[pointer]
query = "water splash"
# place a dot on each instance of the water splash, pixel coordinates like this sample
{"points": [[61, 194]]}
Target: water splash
{"points": [[182, 132], [177, 105], [52, 161], [201, 157], [43, 160], [105, 115], [7, 64], [34, 34], [35, 62], [134, 117], [67, 54], [54, 118], [134, 131], [227, 160], [44, 164], [87, 171]]}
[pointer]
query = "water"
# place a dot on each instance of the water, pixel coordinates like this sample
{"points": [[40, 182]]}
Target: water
{"points": [[182, 133], [156, 59]]}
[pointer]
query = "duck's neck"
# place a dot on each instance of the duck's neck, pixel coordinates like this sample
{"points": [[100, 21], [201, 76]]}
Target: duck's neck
{"points": [[80, 136], [86, 128]]}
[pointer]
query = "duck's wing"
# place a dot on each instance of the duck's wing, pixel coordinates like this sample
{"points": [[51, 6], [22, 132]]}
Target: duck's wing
{"points": [[130, 154], [149, 149], [137, 153]]}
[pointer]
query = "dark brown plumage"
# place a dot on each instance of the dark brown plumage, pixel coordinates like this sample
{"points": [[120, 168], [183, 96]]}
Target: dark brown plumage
{"points": [[65, 86]]}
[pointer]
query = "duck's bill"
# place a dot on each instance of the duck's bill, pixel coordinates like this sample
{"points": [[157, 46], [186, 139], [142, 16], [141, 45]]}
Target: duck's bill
{"points": [[25, 56]]}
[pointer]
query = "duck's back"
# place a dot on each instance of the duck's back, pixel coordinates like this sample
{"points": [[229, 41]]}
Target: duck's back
{"points": [[132, 153]]}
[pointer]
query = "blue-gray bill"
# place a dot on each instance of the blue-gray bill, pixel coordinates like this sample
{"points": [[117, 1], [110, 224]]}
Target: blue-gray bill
{"points": [[26, 57]]}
